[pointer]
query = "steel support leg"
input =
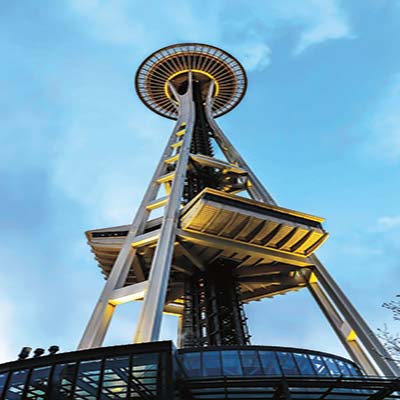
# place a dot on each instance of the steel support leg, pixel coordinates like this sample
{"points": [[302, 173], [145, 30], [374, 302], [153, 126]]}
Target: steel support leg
{"points": [[98, 324], [256, 188], [371, 343], [341, 328], [149, 324]]}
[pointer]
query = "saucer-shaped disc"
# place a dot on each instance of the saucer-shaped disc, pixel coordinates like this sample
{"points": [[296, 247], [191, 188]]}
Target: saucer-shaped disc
{"points": [[206, 62]]}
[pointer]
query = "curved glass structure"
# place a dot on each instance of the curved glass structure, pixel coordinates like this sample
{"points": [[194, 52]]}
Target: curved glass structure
{"points": [[264, 361], [158, 371]]}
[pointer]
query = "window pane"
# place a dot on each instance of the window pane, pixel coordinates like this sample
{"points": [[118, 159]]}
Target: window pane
{"points": [[38, 383], [3, 378], [353, 370], [231, 363], [115, 378], [287, 363], [211, 363], [319, 365], [269, 363], [304, 364], [331, 364], [62, 382], [144, 373], [343, 368], [16, 386], [191, 361], [87, 382], [250, 362]]}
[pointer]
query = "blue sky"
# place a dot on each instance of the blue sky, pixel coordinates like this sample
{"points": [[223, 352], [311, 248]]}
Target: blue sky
{"points": [[320, 125]]}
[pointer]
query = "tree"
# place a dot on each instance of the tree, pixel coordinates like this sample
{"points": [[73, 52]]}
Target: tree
{"points": [[392, 340]]}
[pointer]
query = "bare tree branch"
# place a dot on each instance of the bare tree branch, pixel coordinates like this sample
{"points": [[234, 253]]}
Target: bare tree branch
{"points": [[391, 340]]}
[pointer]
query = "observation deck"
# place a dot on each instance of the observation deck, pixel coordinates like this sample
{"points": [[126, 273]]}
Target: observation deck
{"points": [[207, 63], [268, 245]]}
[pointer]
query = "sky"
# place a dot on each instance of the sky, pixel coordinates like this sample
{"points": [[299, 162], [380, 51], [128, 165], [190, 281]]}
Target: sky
{"points": [[319, 125]]}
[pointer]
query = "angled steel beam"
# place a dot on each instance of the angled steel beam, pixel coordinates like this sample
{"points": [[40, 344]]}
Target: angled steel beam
{"points": [[148, 327], [129, 293], [341, 328], [196, 261], [256, 188], [369, 340], [248, 248], [98, 324], [385, 392]]}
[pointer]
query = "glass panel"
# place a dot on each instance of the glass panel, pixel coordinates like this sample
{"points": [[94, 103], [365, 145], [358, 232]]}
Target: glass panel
{"points": [[38, 383], [144, 374], [269, 363], [211, 363], [3, 378], [250, 363], [343, 368], [304, 364], [87, 381], [353, 370], [231, 363], [16, 386], [287, 363], [115, 378], [62, 382], [191, 361], [331, 364], [319, 365]]}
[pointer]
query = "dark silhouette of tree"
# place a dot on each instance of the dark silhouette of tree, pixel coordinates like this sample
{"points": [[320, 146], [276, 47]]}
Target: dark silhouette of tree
{"points": [[392, 340]]}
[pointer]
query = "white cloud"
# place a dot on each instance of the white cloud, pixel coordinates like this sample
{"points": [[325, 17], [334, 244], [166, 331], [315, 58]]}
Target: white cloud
{"points": [[323, 20], [387, 223], [384, 139], [110, 185], [245, 28], [254, 56]]}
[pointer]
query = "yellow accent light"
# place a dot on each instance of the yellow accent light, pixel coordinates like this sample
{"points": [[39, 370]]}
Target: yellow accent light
{"points": [[172, 159], [192, 70], [313, 278], [161, 202], [351, 336], [166, 178], [180, 133], [129, 298], [177, 144]]}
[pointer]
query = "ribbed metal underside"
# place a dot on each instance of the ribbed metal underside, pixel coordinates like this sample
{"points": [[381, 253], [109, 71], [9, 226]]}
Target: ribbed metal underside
{"points": [[261, 269], [161, 66]]}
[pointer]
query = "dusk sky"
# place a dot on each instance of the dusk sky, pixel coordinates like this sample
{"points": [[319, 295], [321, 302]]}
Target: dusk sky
{"points": [[319, 125]]}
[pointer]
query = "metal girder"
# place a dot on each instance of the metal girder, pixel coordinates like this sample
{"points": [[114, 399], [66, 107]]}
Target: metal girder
{"points": [[149, 323], [375, 350], [247, 248], [341, 328], [266, 269], [256, 188], [195, 260], [384, 392], [129, 293], [103, 311], [282, 392], [287, 285]]}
